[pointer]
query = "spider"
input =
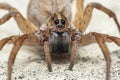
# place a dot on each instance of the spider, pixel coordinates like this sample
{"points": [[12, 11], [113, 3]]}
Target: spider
{"points": [[53, 29]]}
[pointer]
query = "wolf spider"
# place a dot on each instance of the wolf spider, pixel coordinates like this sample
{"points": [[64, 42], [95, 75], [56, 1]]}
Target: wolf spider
{"points": [[58, 35]]}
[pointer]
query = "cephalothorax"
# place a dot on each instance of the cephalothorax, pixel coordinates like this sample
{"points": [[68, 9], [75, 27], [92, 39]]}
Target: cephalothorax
{"points": [[50, 26]]}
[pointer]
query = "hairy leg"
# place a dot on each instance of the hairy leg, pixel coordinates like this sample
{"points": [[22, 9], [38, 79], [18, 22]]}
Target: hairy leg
{"points": [[24, 25], [82, 22]]}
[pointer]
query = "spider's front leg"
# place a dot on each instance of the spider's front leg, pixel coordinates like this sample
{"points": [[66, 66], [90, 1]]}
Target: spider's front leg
{"points": [[73, 54], [47, 55], [82, 21], [25, 25], [75, 36], [101, 39]]}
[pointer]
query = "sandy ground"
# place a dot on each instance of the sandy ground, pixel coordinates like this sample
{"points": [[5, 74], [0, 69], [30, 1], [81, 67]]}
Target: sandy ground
{"points": [[90, 64]]}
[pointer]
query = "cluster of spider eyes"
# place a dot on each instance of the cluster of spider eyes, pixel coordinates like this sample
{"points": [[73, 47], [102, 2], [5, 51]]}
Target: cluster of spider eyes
{"points": [[57, 21]]}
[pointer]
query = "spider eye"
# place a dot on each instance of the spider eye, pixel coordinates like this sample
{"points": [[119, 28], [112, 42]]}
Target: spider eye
{"points": [[56, 21], [63, 21]]}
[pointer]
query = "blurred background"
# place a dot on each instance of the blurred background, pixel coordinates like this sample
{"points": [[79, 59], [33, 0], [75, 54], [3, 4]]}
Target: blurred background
{"points": [[100, 22]]}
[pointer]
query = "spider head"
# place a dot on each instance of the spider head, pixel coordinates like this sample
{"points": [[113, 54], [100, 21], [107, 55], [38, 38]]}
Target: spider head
{"points": [[59, 21]]}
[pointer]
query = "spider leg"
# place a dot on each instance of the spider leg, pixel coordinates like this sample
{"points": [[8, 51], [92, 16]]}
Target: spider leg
{"points": [[48, 56], [88, 39], [82, 21], [106, 53], [18, 41], [79, 10], [73, 54], [24, 25], [101, 39], [17, 44], [6, 40], [32, 40]]}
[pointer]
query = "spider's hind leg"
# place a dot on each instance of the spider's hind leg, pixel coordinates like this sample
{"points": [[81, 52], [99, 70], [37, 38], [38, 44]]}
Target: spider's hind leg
{"points": [[24, 25], [81, 22]]}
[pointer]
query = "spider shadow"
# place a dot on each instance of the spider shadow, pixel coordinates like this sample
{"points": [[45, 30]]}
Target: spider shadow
{"points": [[57, 58], [61, 58]]}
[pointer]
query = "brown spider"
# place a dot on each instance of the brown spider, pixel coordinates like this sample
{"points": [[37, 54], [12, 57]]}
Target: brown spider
{"points": [[52, 28]]}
